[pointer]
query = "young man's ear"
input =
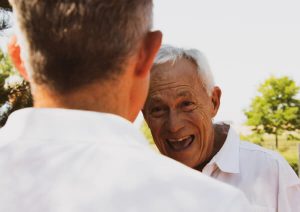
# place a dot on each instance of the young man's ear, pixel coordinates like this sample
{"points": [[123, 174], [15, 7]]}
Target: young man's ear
{"points": [[150, 47], [216, 99], [14, 52]]}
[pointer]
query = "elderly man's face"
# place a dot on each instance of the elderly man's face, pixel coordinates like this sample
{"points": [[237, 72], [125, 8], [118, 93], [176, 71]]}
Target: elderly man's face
{"points": [[179, 113]]}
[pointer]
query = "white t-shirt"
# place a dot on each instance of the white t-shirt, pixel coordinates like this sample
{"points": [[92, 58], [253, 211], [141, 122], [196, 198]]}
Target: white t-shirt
{"points": [[268, 181], [58, 160]]}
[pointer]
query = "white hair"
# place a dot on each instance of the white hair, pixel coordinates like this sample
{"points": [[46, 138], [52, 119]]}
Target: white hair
{"points": [[168, 53]]}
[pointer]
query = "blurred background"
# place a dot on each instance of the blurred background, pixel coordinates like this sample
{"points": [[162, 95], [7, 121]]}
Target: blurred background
{"points": [[253, 48]]}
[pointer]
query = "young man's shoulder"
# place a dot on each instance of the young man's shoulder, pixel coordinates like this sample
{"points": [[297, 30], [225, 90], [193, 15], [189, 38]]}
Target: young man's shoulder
{"points": [[138, 177], [184, 184]]}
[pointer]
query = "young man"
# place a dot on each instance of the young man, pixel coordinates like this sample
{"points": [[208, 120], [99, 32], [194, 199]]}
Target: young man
{"points": [[88, 65]]}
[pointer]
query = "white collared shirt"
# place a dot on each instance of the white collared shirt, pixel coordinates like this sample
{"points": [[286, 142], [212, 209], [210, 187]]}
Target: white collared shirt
{"points": [[56, 160], [263, 175]]}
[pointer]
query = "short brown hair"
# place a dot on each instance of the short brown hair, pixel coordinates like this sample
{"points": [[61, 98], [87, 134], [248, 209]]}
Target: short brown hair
{"points": [[74, 42]]}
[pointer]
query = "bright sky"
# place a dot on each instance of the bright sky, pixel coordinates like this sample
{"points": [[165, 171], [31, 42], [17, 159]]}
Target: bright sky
{"points": [[245, 42]]}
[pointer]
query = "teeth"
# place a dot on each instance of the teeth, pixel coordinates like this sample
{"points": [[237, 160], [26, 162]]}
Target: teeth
{"points": [[179, 139], [180, 144]]}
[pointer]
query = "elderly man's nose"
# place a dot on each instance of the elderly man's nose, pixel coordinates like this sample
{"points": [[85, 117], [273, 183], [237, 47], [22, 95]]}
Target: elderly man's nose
{"points": [[174, 123]]}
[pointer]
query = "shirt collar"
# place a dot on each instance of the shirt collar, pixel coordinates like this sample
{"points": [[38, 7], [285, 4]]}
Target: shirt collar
{"points": [[227, 159], [71, 126]]}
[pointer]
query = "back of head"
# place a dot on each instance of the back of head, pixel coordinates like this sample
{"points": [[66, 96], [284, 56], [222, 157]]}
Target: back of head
{"points": [[67, 44]]}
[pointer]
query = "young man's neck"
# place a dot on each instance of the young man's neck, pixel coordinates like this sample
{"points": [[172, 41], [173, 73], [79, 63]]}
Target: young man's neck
{"points": [[94, 97]]}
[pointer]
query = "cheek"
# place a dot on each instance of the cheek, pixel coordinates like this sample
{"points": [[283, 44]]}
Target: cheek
{"points": [[203, 124], [155, 126], [203, 148]]}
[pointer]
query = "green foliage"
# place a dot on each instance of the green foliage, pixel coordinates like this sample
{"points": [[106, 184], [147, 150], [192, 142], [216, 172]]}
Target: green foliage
{"points": [[254, 138], [5, 65], [146, 131], [275, 110], [295, 167], [291, 158], [15, 95], [6, 70]]}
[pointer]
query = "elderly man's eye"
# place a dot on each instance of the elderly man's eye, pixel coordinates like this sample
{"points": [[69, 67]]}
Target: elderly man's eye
{"points": [[188, 105], [156, 111]]}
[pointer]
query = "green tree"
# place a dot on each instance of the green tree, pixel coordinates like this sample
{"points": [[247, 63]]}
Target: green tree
{"points": [[13, 95], [276, 109], [6, 70]]}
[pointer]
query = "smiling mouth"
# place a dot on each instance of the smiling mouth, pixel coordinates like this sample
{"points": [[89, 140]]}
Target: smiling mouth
{"points": [[180, 144]]}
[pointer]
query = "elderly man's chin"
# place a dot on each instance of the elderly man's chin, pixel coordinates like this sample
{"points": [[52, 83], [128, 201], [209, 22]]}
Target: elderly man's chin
{"points": [[188, 153]]}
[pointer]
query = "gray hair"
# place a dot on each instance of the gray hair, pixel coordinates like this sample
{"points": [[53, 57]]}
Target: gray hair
{"points": [[87, 40], [168, 53]]}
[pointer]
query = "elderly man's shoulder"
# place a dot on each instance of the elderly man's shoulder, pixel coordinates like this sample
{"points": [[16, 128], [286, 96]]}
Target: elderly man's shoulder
{"points": [[253, 150], [260, 159]]}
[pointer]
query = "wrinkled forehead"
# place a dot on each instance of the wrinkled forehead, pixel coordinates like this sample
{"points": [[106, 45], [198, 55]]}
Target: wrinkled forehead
{"points": [[170, 75], [172, 93]]}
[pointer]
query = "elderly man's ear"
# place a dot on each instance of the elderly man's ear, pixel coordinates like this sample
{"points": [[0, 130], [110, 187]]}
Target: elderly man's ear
{"points": [[147, 53], [14, 52], [215, 98]]}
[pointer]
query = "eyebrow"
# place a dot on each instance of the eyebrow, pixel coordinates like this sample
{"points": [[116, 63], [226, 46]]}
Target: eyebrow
{"points": [[184, 94], [159, 99], [155, 99]]}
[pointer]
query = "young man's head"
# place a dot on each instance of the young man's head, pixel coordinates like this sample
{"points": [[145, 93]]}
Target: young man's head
{"points": [[68, 45]]}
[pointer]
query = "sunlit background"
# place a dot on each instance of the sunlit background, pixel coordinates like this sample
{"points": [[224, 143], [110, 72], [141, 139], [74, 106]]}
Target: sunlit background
{"points": [[244, 41]]}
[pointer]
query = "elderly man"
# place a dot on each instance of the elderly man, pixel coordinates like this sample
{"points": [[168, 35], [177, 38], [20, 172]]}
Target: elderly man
{"points": [[88, 64], [181, 104]]}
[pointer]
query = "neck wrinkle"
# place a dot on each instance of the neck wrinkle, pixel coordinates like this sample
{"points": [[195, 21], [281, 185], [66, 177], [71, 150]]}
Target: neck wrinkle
{"points": [[218, 136]]}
